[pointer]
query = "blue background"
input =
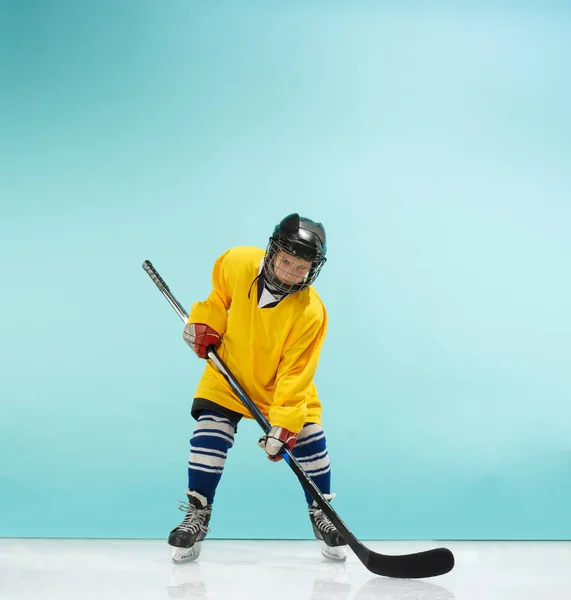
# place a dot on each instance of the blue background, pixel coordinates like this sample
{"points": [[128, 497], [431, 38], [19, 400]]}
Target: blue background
{"points": [[432, 140]]}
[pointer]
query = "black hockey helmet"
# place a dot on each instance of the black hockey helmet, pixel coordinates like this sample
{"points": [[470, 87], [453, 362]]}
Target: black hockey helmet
{"points": [[300, 237]]}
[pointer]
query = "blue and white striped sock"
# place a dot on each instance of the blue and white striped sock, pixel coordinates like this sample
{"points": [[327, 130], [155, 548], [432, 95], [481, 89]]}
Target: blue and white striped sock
{"points": [[212, 438], [311, 451]]}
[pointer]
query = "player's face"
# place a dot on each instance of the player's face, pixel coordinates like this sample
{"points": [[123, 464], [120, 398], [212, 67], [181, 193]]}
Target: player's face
{"points": [[289, 269]]}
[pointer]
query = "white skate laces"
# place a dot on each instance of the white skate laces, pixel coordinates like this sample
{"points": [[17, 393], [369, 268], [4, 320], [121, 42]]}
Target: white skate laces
{"points": [[321, 520], [194, 520]]}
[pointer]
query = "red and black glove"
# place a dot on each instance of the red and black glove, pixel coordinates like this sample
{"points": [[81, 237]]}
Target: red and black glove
{"points": [[199, 336], [276, 441]]}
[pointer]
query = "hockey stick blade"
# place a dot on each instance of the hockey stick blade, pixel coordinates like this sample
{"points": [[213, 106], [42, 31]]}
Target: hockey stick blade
{"points": [[430, 563]]}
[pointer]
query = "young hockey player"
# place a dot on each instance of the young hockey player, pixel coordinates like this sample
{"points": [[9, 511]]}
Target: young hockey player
{"points": [[268, 325]]}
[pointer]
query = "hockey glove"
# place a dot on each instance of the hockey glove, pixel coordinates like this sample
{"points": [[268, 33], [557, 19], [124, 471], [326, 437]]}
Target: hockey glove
{"points": [[276, 441], [199, 336]]}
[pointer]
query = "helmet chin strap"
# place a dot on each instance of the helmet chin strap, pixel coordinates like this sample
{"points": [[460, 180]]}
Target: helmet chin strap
{"points": [[272, 289]]}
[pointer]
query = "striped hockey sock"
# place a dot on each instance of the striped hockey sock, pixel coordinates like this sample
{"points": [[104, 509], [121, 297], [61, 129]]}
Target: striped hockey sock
{"points": [[311, 451], [212, 438]]}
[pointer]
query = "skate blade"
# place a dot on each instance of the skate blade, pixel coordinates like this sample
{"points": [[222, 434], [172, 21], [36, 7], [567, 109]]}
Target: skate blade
{"points": [[335, 553], [185, 555]]}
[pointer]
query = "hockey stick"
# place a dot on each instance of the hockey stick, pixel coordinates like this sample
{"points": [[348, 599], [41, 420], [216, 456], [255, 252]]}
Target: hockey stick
{"points": [[419, 565]]}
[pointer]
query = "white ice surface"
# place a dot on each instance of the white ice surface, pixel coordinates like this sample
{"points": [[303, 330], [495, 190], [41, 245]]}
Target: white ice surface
{"points": [[273, 570]]}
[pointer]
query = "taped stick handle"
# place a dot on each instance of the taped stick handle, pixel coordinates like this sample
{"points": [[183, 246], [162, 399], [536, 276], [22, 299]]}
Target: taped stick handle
{"points": [[153, 274], [164, 289]]}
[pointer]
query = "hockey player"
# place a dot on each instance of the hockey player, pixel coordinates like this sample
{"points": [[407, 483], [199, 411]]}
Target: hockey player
{"points": [[268, 325]]}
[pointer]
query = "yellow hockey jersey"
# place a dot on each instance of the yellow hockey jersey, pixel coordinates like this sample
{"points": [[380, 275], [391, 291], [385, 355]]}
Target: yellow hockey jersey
{"points": [[273, 352]]}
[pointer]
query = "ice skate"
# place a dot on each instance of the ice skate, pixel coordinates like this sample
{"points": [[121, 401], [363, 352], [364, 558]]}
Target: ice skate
{"points": [[187, 536], [333, 546]]}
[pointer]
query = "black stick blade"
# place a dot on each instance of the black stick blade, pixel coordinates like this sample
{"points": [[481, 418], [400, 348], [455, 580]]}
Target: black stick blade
{"points": [[410, 566]]}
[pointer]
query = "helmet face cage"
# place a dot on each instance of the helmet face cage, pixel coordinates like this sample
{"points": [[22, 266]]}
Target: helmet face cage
{"points": [[307, 253]]}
